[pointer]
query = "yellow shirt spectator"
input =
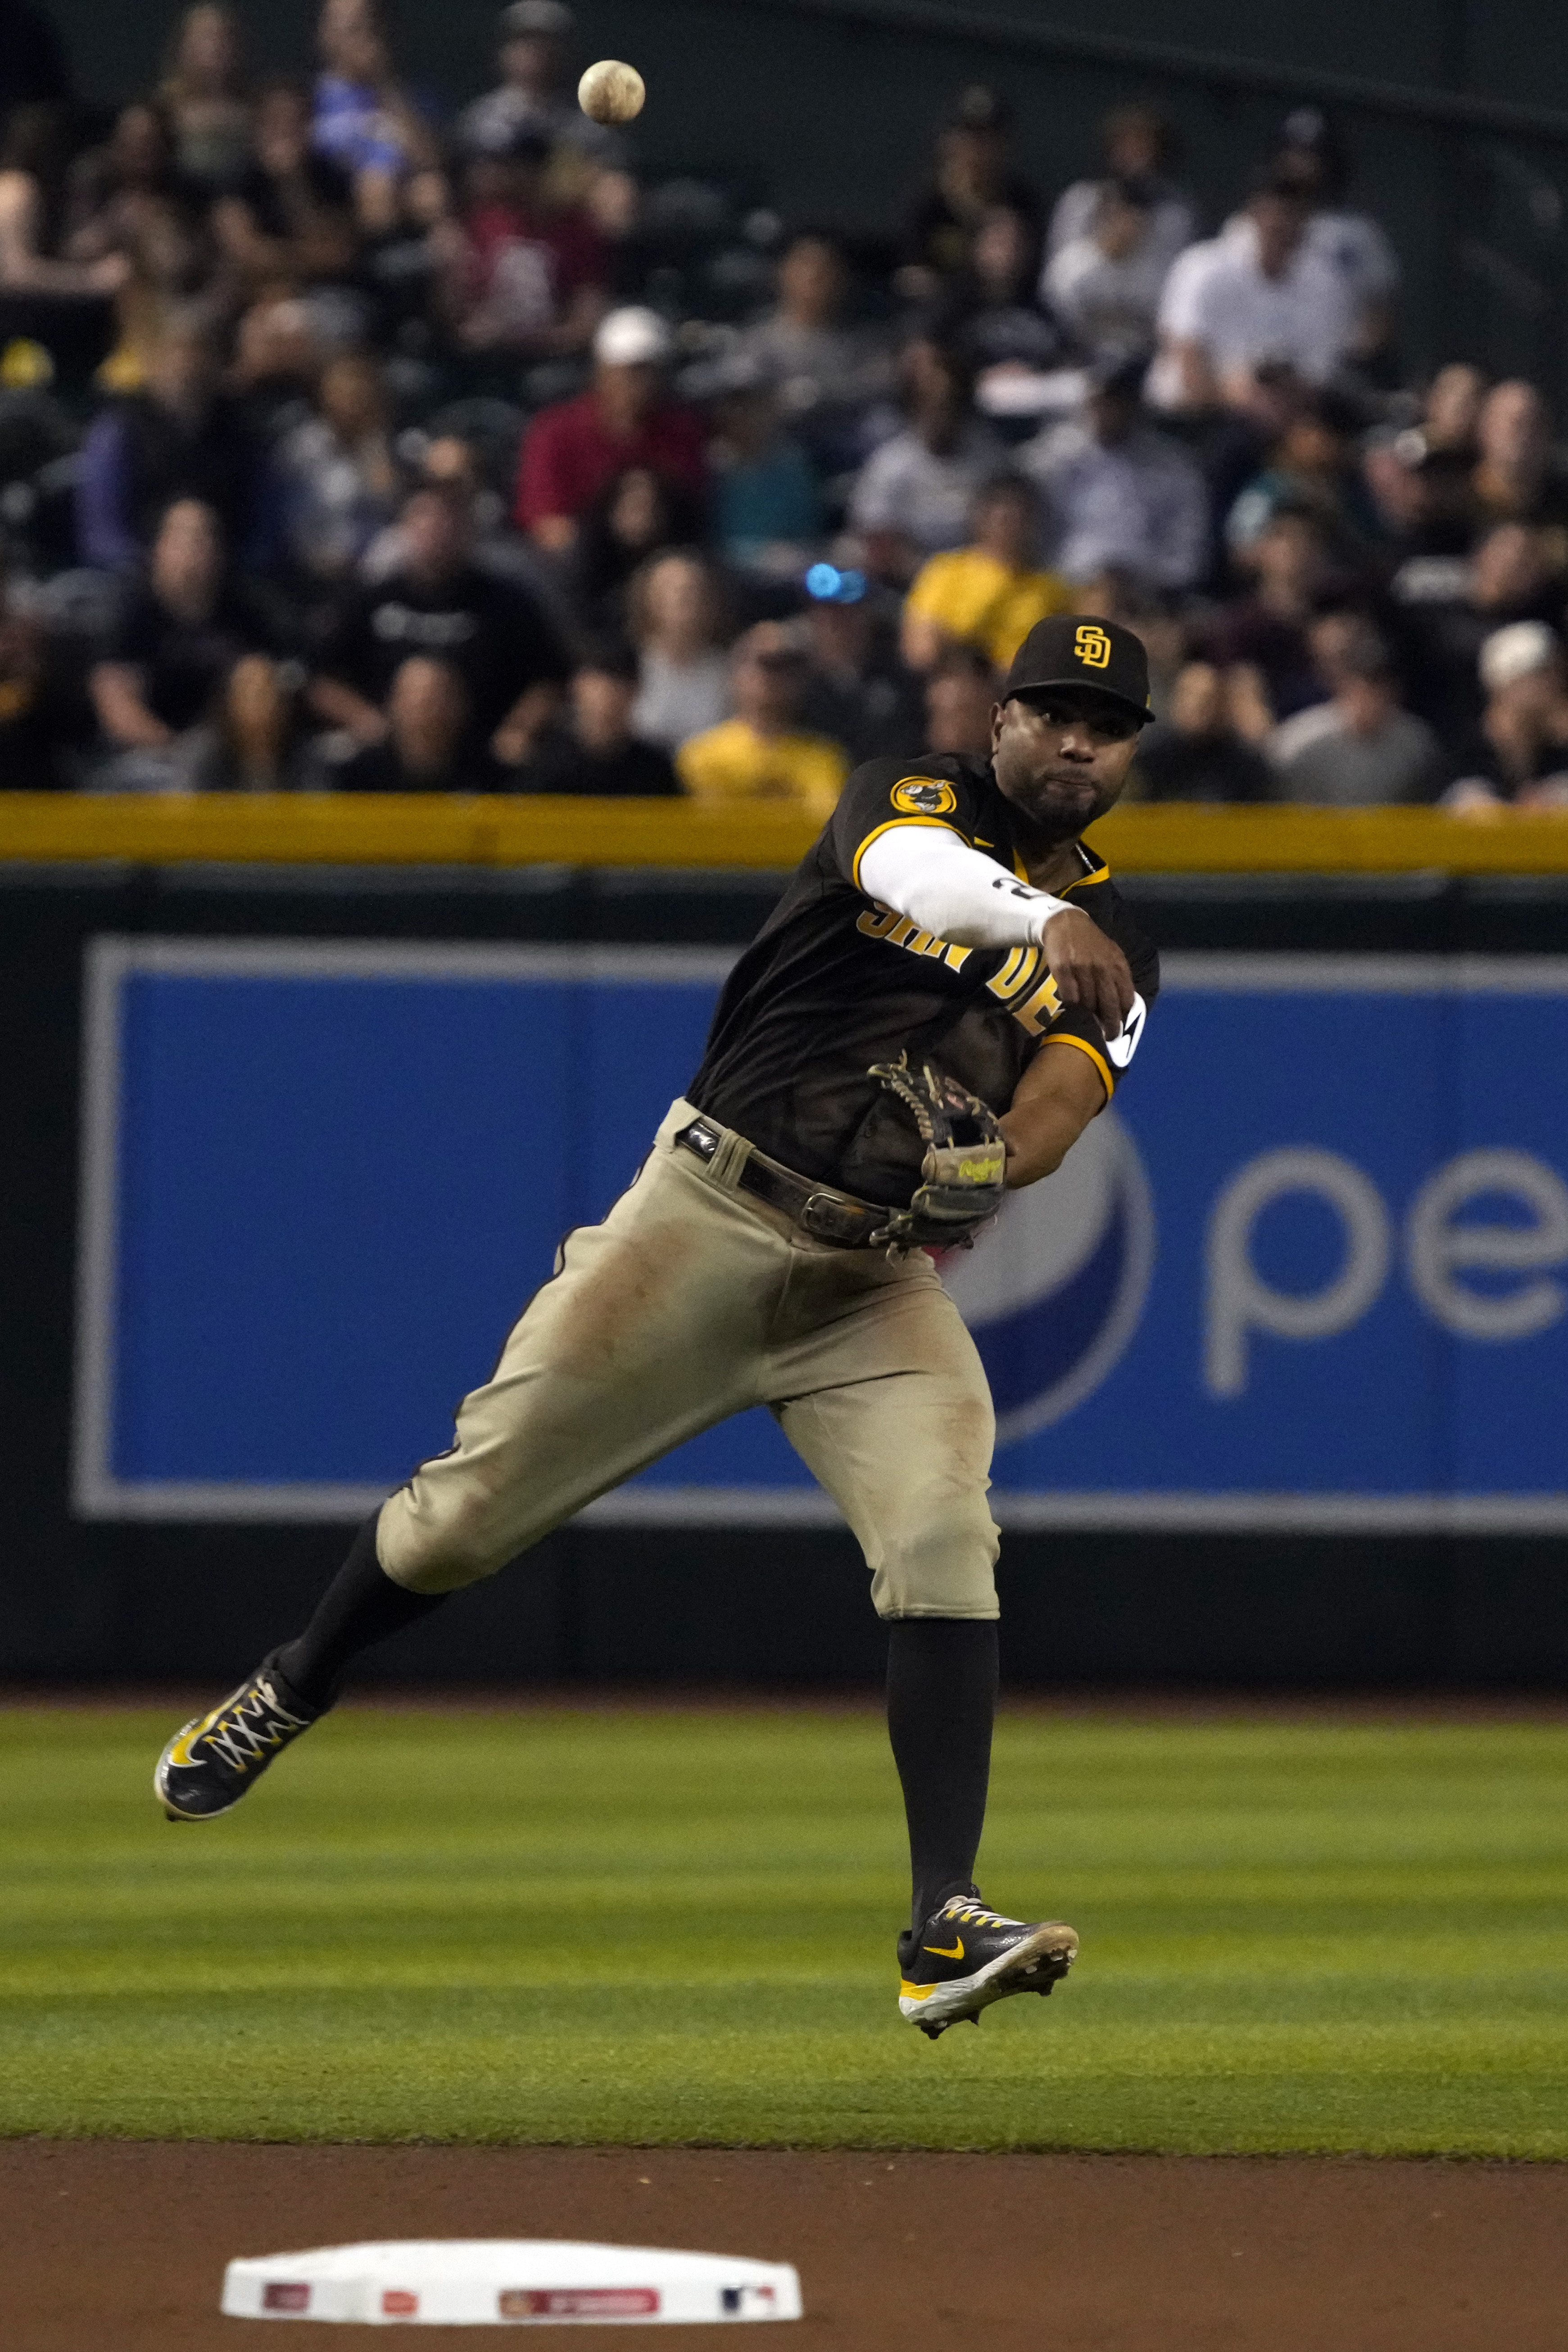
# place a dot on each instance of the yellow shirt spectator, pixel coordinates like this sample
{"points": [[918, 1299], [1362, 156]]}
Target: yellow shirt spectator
{"points": [[974, 600], [761, 754], [991, 593], [733, 762]]}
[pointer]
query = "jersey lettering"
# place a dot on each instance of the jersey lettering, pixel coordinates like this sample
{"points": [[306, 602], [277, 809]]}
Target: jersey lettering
{"points": [[1041, 1009], [1020, 969], [903, 931]]}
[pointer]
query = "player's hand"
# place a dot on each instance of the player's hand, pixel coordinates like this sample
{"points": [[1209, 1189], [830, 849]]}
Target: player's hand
{"points": [[1089, 970]]}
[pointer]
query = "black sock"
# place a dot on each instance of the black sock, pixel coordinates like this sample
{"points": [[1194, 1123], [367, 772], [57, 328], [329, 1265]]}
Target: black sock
{"points": [[359, 1606], [942, 1698]]}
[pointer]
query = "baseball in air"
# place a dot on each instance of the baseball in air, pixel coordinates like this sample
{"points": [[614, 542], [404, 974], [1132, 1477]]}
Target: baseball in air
{"points": [[611, 92]]}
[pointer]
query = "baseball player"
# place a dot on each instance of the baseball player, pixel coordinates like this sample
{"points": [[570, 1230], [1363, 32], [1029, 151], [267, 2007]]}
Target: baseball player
{"points": [[946, 994]]}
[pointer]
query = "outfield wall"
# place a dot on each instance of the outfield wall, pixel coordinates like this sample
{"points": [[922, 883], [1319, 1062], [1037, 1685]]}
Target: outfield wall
{"points": [[1375, 1549]]}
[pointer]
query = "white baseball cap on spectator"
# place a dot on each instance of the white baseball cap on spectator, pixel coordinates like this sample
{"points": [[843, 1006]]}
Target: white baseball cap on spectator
{"points": [[1518, 651], [633, 337]]}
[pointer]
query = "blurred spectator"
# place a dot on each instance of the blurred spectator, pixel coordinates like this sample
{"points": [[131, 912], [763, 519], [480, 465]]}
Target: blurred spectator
{"points": [[1104, 285], [1450, 412], [1239, 305], [1312, 464], [1197, 752], [260, 739], [1123, 493], [455, 463], [1266, 632], [127, 199], [412, 259], [990, 594], [974, 173], [533, 98], [275, 367], [960, 697], [59, 310], [181, 438], [625, 419], [340, 480], [532, 272], [913, 497], [1516, 478], [31, 204], [857, 689], [762, 753], [33, 67], [362, 119], [191, 650], [1520, 751], [767, 507], [991, 311], [1311, 158], [202, 97], [1419, 478], [1138, 142], [1446, 614], [825, 371], [597, 749], [1422, 503], [35, 722], [677, 622], [1359, 749], [439, 605], [636, 515], [288, 216], [430, 744]]}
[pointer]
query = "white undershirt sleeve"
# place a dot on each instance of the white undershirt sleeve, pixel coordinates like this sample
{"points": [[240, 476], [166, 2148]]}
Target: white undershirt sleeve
{"points": [[928, 872]]}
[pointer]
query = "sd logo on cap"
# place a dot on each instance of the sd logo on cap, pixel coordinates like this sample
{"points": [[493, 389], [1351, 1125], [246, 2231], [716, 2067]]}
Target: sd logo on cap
{"points": [[1098, 656]]}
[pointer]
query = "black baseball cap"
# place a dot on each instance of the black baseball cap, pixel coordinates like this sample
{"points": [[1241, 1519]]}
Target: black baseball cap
{"points": [[1070, 649]]}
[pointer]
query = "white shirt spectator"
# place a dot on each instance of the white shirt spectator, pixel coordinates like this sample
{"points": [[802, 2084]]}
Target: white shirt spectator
{"points": [[1109, 306], [1350, 244], [1217, 296], [1173, 221], [678, 700], [906, 488], [1137, 503]]}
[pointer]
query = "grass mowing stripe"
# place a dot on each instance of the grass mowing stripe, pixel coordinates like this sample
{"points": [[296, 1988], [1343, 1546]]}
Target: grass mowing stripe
{"points": [[615, 1925]]}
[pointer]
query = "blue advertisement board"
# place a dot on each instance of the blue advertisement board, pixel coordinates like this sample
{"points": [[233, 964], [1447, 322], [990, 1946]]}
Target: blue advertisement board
{"points": [[1310, 1271]]}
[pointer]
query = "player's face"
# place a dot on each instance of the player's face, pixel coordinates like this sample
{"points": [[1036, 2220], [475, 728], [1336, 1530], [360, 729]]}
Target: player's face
{"points": [[1062, 758]]}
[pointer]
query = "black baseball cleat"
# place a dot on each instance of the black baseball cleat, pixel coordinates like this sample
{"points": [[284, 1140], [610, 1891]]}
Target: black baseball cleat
{"points": [[208, 1766], [966, 1957]]}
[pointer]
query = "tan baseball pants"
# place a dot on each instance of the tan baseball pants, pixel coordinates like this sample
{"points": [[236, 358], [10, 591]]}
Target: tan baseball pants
{"points": [[691, 1302]]}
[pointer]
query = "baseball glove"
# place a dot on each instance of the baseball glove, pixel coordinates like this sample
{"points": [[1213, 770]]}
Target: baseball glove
{"points": [[962, 1174]]}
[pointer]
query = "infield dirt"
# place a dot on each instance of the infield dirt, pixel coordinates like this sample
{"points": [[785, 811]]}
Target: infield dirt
{"points": [[119, 2246]]}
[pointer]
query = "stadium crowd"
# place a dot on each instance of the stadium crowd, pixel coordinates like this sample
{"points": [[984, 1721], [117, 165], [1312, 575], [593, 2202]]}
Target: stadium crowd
{"points": [[347, 445]]}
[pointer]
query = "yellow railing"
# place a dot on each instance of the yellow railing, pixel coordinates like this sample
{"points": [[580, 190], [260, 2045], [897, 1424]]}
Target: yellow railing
{"points": [[413, 829]]}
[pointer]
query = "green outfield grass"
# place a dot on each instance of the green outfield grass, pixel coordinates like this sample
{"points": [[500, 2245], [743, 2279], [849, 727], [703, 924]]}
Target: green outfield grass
{"points": [[650, 1927]]}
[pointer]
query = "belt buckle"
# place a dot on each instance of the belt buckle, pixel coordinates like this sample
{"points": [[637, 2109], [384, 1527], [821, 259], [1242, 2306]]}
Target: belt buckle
{"points": [[700, 1139], [829, 1218]]}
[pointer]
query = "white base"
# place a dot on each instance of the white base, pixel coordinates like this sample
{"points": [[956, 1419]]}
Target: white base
{"points": [[507, 2282]]}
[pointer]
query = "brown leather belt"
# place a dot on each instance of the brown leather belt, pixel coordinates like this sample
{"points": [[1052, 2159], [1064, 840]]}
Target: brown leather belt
{"points": [[836, 1218]]}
